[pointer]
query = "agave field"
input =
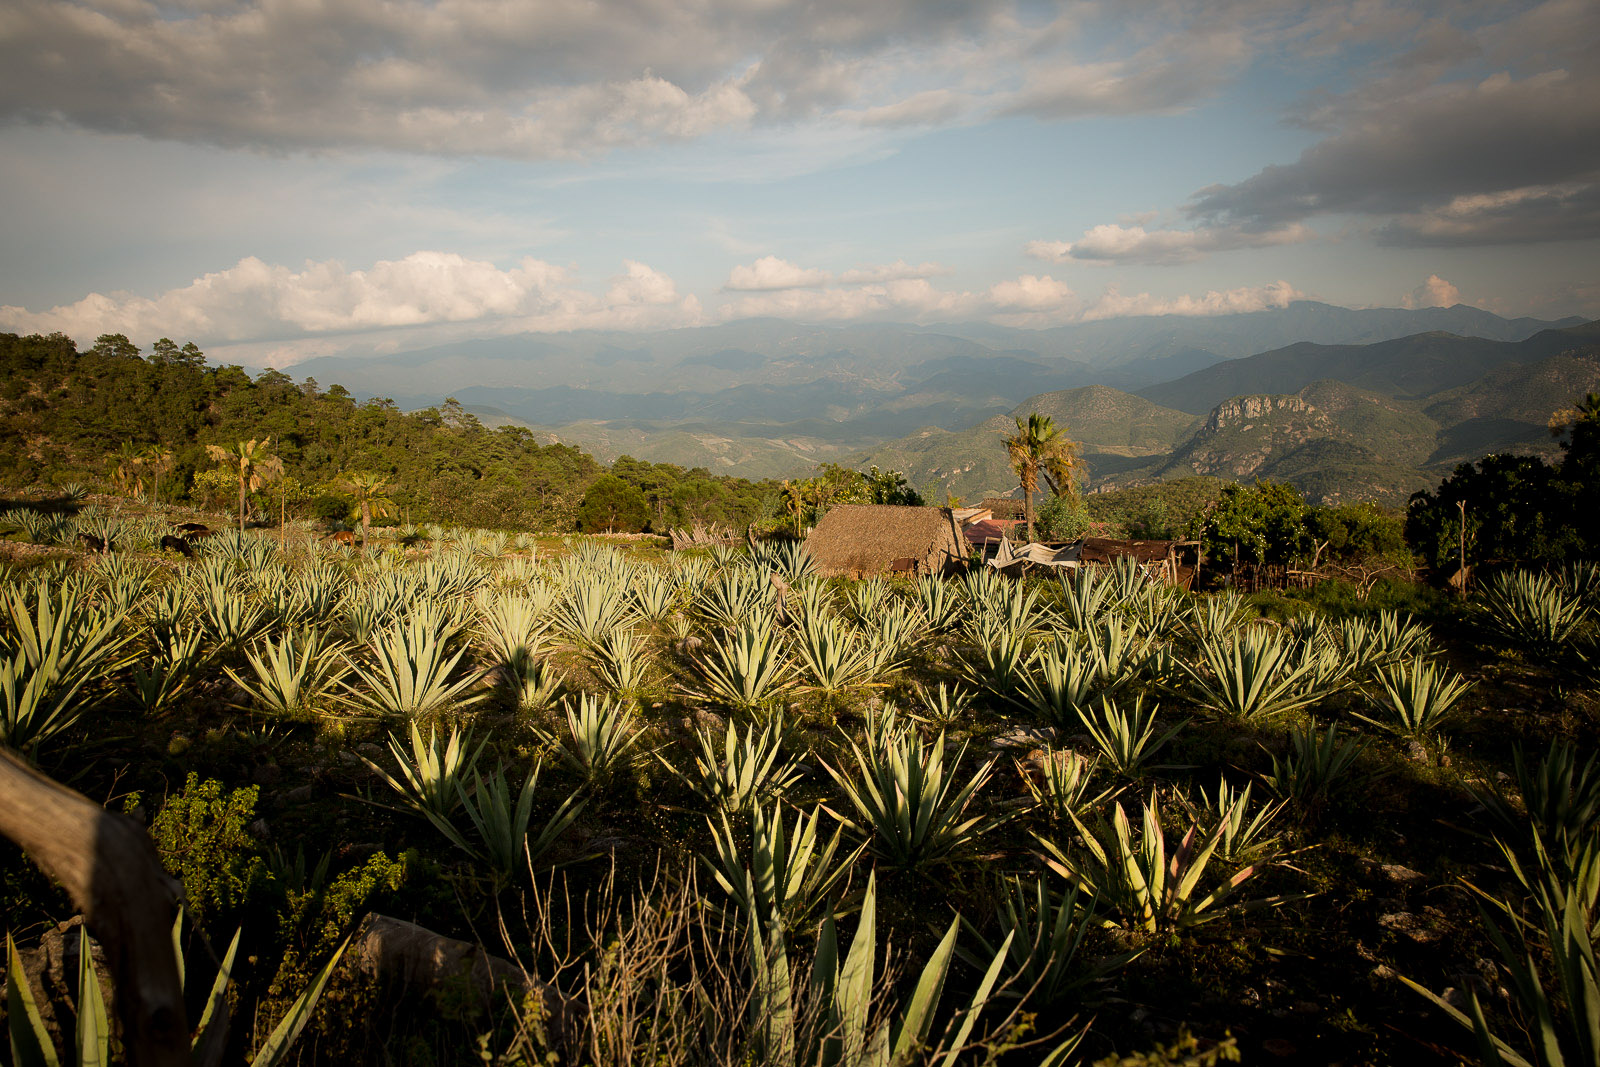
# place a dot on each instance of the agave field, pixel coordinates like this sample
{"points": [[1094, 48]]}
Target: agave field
{"points": [[711, 808]]}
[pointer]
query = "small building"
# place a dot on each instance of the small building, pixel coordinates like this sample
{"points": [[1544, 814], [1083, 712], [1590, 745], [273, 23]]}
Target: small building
{"points": [[1173, 562], [864, 539]]}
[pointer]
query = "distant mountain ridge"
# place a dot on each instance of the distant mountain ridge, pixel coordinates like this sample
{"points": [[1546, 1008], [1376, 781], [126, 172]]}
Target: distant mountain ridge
{"points": [[1417, 365], [771, 397], [1410, 420]]}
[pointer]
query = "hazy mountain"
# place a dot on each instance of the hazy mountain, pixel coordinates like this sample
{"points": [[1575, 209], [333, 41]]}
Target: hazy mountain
{"points": [[1417, 366], [772, 397], [1331, 439]]}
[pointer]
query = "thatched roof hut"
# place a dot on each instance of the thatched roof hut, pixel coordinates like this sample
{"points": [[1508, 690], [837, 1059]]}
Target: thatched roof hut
{"points": [[862, 539]]}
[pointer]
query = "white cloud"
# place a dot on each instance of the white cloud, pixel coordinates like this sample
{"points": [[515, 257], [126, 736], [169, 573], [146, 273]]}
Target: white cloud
{"points": [[254, 299], [897, 271], [1113, 243], [1433, 293], [1030, 293], [1114, 305], [769, 273]]}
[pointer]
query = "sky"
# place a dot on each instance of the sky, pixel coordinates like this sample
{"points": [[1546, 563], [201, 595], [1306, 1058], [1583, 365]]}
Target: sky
{"points": [[282, 179]]}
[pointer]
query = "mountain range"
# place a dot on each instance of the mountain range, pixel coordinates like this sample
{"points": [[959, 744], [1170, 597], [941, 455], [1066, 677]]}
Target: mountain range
{"points": [[771, 398], [1341, 422]]}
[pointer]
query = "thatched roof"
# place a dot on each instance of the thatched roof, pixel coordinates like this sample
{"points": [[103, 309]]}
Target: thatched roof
{"points": [[867, 538]]}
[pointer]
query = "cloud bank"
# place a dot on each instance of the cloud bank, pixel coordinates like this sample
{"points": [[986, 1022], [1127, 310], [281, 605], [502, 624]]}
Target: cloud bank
{"points": [[254, 300], [560, 79]]}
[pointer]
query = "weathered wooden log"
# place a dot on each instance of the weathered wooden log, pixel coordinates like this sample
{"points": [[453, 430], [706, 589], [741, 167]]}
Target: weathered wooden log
{"points": [[110, 868]]}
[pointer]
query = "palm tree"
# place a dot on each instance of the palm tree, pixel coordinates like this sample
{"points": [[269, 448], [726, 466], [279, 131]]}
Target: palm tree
{"points": [[125, 474], [256, 467], [159, 459], [1038, 448], [369, 490]]}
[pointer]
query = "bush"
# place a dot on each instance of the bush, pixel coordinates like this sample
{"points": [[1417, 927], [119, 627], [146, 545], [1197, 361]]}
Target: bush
{"points": [[1063, 518], [204, 840]]}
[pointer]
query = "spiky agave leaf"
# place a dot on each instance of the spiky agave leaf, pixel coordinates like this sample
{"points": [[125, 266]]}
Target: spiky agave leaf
{"points": [[748, 666], [910, 807], [1418, 698], [413, 675], [741, 772], [1251, 675], [291, 674]]}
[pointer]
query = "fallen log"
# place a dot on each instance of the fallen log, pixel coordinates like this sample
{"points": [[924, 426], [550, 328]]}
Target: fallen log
{"points": [[110, 868]]}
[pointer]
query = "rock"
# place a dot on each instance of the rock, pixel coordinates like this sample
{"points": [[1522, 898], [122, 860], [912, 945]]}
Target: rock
{"points": [[260, 830], [267, 774], [1410, 924], [298, 795], [1384, 971], [349, 759], [370, 750], [1404, 875], [1024, 737]]}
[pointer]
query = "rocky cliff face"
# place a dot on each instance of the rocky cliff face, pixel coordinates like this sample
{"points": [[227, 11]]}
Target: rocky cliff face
{"points": [[1243, 409]]}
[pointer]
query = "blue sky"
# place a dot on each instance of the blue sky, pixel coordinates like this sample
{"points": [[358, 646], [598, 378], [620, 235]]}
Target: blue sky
{"points": [[288, 178]]}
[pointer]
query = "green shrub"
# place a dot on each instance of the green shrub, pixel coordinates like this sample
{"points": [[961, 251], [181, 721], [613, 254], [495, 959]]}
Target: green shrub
{"points": [[204, 840]]}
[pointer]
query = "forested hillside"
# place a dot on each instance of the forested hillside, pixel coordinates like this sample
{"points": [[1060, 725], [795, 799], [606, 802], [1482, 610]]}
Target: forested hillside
{"points": [[79, 416]]}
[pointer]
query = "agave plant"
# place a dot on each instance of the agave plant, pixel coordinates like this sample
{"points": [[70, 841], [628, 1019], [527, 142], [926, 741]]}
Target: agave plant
{"points": [[1251, 675], [1002, 656], [908, 805], [1417, 699], [600, 737], [176, 660], [1314, 768], [654, 595], [1213, 619], [742, 772], [890, 636], [432, 780], [593, 607], [1127, 738], [622, 661], [748, 666], [510, 628], [833, 655], [1138, 886], [1084, 598], [866, 598], [502, 826], [229, 618], [31, 1043], [1532, 611], [733, 595], [1044, 931], [947, 705], [535, 684], [790, 876], [56, 651], [1061, 682], [1389, 637], [1550, 967], [1245, 833], [1560, 797], [1061, 785], [292, 673], [413, 675], [814, 597], [1117, 650], [940, 606], [841, 1025]]}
